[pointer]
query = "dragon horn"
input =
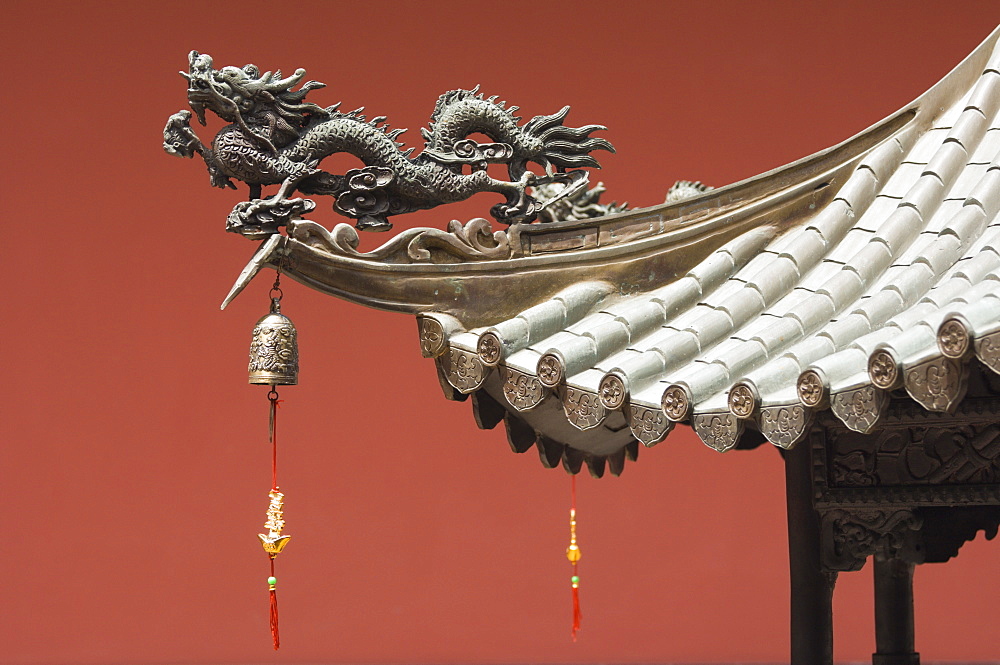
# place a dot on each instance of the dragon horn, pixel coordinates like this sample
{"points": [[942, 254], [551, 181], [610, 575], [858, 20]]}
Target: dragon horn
{"points": [[288, 83]]}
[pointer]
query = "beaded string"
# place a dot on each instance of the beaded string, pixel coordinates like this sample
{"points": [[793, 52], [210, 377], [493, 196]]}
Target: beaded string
{"points": [[573, 554], [272, 397]]}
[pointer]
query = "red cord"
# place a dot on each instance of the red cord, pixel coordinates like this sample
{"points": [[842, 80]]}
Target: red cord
{"points": [[275, 404], [576, 609], [272, 397], [274, 613], [576, 591]]}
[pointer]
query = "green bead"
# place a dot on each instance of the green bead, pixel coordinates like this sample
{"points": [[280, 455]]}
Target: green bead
{"points": [[272, 581], [575, 579]]}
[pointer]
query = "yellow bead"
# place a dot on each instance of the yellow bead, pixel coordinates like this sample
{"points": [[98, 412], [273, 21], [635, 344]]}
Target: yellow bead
{"points": [[573, 553]]}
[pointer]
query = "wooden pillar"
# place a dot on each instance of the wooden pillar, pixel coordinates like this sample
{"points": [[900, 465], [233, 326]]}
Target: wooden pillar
{"points": [[811, 588], [894, 613]]}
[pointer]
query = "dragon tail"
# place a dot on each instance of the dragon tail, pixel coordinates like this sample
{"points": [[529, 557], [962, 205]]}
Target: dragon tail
{"points": [[566, 147]]}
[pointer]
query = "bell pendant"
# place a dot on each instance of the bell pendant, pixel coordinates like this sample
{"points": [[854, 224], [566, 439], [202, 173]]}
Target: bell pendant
{"points": [[274, 350]]}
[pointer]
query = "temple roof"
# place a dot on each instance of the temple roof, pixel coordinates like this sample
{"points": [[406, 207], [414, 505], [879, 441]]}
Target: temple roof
{"points": [[830, 283], [894, 283]]}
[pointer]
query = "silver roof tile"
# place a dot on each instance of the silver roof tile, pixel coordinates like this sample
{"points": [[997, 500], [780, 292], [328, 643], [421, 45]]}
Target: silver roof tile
{"points": [[941, 254], [926, 146], [717, 266], [986, 95], [981, 318], [969, 223], [589, 321], [845, 330], [926, 194], [743, 305], [464, 340], [525, 360], [902, 179], [867, 343], [702, 379], [609, 337], [757, 265], [833, 221], [814, 311], [588, 380], [883, 159], [806, 249], [638, 368], [952, 156], [945, 291], [686, 317], [778, 333], [812, 347], [967, 179], [968, 130], [744, 247], [836, 367], [774, 377], [756, 326], [949, 116], [730, 287], [678, 295], [912, 282], [988, 147], [772, 279], [877, 308], [986, 192], [581, 298], [738, 356], [978, 266], [818, 276], [948, 209], [780, 242], [913, 315], [677, 347], [843, 288], [859, 190], [561, 337], [711, 326], [902, 227], [880, 208], [576, 353], [993, 64], [789, 302], [850, 245], [915, 339], [869, 264]]}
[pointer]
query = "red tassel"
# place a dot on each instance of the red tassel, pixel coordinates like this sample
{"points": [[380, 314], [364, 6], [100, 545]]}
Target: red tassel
{"points": [[576, 611], [274, 611], [274, 618]]}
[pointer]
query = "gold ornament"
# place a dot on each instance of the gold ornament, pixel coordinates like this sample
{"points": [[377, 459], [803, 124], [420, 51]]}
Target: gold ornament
{"points": [[573, 551], [273, 541]]}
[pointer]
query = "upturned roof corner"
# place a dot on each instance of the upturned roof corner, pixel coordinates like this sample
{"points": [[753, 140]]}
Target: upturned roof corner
{"points": [[824, 285]]}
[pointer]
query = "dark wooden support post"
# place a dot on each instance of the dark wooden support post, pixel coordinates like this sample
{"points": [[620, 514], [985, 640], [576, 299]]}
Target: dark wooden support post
{"points": [[894, 613], [812, 589]]}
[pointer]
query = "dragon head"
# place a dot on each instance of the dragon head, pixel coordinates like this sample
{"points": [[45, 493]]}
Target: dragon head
{"points": [[232, 93]]}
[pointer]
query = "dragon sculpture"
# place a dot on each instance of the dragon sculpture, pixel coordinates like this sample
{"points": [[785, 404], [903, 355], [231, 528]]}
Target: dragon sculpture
{"points": [[276, 137]]}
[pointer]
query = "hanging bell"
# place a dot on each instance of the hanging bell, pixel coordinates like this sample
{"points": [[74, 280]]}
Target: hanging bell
{"points": [[274, 349]]}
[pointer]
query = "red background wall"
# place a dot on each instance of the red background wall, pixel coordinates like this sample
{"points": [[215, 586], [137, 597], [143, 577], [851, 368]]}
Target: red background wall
{"points": [[135, 468]]}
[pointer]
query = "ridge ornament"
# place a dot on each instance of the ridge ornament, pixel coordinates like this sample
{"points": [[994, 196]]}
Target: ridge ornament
{"points": [[275, 137]]}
